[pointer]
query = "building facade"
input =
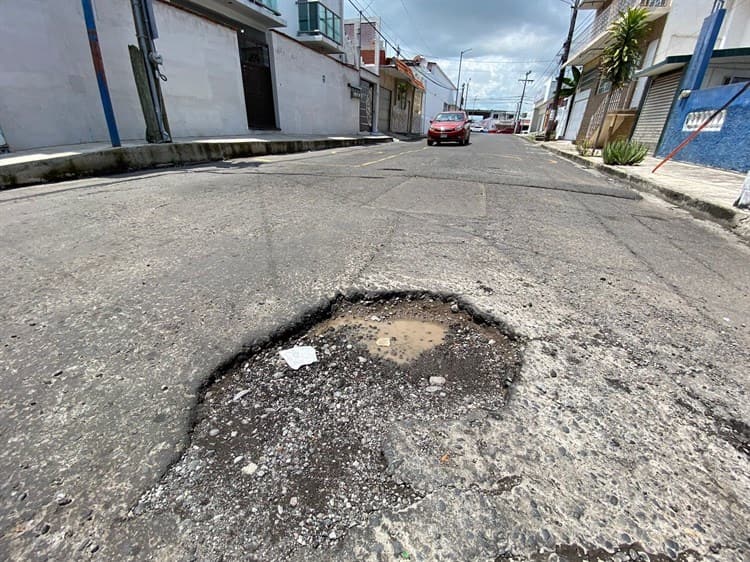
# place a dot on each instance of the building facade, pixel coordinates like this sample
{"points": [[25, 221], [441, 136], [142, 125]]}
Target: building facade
{"points": [[439, 90], [230, 68], [643, 106]]}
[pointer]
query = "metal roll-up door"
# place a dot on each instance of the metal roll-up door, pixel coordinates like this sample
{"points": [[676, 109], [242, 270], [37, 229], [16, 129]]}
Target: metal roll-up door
{"points": [[655, 110]]}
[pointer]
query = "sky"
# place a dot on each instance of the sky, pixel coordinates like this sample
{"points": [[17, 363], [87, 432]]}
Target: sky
{"points": [[506, 37]]}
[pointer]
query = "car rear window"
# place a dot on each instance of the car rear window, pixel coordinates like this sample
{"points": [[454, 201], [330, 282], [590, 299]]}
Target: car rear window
{"points": [[449, 117]]}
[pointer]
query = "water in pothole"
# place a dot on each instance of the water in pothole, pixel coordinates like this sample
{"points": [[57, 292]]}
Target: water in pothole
{"points": [[283, 461]]}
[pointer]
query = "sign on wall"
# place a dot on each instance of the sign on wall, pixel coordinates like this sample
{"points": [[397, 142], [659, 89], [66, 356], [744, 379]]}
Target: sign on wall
{"points": [[695, 119]]}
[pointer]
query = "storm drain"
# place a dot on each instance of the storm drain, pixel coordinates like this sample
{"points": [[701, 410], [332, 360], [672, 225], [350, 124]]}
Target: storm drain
{"points": [[283, 461]]}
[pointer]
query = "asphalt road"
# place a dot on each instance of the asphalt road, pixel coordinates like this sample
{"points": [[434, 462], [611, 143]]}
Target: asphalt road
{"points": [[122, 296]]}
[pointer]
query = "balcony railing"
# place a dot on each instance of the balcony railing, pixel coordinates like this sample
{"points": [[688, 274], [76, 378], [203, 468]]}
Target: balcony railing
{"points": [[316, 19], [272, 5], [609, 14]]}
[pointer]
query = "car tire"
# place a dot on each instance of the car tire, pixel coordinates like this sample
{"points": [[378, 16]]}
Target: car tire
{"points": [[430, 143]]}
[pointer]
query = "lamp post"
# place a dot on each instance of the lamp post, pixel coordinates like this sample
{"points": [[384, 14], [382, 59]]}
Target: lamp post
{"points": [[458, 82]]}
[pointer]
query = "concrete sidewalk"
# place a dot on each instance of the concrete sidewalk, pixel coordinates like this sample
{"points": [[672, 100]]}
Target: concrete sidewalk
{"points": [[707, 191], [59, 163]]}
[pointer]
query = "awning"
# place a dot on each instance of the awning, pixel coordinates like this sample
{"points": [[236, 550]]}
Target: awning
{"points": [[740, 55], [399, 69]]}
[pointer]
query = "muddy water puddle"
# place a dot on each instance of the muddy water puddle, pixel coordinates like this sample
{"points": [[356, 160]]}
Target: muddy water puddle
{"points": [[400, 340], [290, 461]]}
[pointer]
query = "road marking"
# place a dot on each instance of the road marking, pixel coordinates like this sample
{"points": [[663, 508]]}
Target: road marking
{"points": [[392, 156]]}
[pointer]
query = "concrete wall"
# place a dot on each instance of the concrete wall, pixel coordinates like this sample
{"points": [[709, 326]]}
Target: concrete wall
{"points": [[203, 92], [735, 32], [49, 92], [684, 22], [311, 90], [728, 148]]}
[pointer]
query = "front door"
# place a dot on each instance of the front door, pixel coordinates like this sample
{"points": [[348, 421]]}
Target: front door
{"points": [[365, 105], [256, 80]]}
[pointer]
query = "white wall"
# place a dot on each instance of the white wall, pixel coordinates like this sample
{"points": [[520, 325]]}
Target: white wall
{"points": [[203, 92], [439, 90], [49, 91], [736, 29], [684, 23], [306, 104]]}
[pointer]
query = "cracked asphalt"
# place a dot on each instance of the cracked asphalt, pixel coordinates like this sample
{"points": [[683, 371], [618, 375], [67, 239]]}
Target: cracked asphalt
{"points": [[624, 435]]}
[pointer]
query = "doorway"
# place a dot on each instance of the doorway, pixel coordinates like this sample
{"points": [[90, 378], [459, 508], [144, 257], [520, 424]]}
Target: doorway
{"points": [[256, 79]]}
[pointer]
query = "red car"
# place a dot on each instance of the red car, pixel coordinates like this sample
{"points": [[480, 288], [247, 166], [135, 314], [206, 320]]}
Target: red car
{"points": [[449, 126]]}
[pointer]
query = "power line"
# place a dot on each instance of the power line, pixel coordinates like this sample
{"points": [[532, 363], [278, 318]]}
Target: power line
{"points": [[375, 27], [416, 27]]}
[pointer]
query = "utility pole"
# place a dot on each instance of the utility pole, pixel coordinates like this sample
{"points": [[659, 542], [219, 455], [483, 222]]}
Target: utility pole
{"points": [[458, 82], [146, 32], [520, 105], [466, 94], [552, 121], [461, 101]]}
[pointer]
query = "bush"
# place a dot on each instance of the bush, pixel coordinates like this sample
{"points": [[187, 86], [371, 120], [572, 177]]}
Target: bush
{"points": [[623, 152], [585, 148]]}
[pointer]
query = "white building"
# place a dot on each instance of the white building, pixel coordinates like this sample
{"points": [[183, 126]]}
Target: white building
{"points": [[317, 89], [439, 90], [231, 68]]}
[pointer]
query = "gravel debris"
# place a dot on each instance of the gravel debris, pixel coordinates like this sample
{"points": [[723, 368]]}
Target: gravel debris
{"points": [[316, 435]]}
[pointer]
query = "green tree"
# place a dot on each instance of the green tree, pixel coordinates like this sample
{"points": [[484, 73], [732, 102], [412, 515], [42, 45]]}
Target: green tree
{"points": [[622, 53]]}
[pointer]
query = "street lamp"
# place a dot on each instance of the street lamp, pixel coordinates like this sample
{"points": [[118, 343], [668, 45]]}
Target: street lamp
{"points": [[458, 83]]}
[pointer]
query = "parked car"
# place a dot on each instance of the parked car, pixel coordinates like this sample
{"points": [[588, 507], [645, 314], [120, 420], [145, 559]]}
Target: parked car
{"points": [[476, 128], [449, 126]]}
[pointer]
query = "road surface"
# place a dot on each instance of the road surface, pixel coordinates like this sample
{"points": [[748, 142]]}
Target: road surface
{"points": [[123, 296]]}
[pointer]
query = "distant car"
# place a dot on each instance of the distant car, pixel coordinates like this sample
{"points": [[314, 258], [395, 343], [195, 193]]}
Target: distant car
{"points": [[449, 126], [476, 128]]}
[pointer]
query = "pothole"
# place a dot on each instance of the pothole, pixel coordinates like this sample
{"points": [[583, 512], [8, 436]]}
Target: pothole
{"points": [[283, 461]]}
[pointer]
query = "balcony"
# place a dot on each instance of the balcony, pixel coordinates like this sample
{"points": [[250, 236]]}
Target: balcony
{"points": [[258, 14], [319, 27], [588, 44]]}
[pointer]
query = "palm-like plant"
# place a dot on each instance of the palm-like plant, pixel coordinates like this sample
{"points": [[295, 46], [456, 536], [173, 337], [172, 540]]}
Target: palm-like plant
{"points": [[622, 54], [570, 83]]}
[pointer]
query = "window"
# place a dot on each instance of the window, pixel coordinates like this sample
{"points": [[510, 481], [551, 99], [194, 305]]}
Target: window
{"points": [[316, 19], [401, 95]]}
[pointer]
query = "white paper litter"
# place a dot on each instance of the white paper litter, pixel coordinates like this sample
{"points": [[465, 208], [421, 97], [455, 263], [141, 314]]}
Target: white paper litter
{"points": [[299, 356]]}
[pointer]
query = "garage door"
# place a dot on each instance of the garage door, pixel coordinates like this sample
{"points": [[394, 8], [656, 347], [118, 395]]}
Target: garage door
{"points": [[656, 108], [384, 111], [576, 114]]}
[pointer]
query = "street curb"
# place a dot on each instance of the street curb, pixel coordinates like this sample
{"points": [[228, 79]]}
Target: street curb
{"points": [[149, 156], [734, 220]]}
